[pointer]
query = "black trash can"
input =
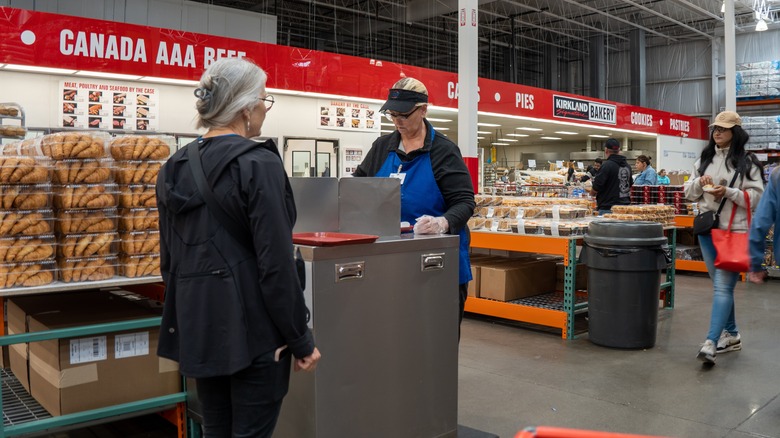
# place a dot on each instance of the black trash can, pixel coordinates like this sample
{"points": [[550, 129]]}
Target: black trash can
{"points": [[624, 262]]}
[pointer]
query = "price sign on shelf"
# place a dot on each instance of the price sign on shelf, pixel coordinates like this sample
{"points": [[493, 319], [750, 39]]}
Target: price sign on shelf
{"points": [[531, 163], [762, 157], [580, 165], [559, 163]]}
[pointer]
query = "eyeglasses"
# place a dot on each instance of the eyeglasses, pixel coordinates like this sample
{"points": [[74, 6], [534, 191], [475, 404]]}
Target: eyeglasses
{"points": [[720, 129], [269, 101], [398, 116]]}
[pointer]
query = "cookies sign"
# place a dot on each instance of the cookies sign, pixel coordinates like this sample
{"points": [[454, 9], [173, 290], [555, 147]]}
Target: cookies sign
{"points": [[348, 116], [100, 105]]}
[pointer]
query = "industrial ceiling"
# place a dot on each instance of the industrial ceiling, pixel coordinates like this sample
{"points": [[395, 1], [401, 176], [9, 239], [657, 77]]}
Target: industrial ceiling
{"points": [[424, 33]]}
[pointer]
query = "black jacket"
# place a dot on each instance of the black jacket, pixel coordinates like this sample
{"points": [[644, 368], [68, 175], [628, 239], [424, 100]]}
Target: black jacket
{"points": [[613, 183], [224, 304], [450, 171]]}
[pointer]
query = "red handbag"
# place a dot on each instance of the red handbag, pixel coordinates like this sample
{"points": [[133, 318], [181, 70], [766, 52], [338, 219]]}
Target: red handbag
{"points": [[733, 254]]}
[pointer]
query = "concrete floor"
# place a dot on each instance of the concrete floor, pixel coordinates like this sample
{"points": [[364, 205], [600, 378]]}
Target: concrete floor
{"points": [[513, 377]]}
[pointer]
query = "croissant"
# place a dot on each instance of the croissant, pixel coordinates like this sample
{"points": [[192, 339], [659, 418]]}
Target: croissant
{"points": [[24, 197], [140, 266], [25, 274], [137, 172], [140, 242], [85, 221], [86, 245], [139, 219], [89, 269], [80, 172], [26, 249], [139, 148], [85, 196], [137, 196]]}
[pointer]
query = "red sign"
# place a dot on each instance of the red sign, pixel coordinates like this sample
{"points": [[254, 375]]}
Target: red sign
{"points": [[60, 41]]}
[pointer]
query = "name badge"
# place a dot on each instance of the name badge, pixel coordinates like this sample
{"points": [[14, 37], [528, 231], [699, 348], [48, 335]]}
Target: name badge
{"points": [[399, 176]]}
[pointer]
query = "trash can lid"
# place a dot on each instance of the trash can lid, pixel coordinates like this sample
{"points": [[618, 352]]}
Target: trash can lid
{"points": [[625, 233]]}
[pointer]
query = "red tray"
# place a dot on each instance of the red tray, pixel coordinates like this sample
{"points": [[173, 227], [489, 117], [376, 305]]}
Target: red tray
{"points": [[332, 239]]}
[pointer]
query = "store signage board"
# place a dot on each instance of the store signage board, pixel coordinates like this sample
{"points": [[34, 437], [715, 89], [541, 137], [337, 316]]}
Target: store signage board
{"points": [[580, 165], [97, 104], [532, 164], [60, 41], [348, 116], [559, 164]]}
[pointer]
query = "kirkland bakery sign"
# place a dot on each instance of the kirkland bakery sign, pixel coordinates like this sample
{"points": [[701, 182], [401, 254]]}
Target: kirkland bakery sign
{"points": [[579, 109]]}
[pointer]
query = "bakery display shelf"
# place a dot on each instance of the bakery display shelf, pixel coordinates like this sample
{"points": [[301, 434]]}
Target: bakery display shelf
{"points": [[20, 117], [59, 286], [23, 416], [539, 311], [18, 405]]}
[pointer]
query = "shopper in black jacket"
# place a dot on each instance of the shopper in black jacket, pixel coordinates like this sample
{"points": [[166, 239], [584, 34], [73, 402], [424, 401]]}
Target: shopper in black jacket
{"points": [[234, 310], [436, 191], [612, 183]]}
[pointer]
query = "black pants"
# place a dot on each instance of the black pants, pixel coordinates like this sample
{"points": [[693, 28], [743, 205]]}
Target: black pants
{"points": [[463, 291], [247, 403]]}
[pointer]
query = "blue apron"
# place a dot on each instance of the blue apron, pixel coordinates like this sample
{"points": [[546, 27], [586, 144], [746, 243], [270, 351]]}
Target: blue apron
{"points": [[421, 195]]}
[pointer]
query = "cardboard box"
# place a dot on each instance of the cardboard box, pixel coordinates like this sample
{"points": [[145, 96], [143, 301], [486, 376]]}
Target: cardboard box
{"points": [[580, 277], [20, 308], [510, 280], [678, 179], [77, 374], [474, 283]]}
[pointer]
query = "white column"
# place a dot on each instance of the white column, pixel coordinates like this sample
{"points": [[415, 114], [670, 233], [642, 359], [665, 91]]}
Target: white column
{"points": [[731, 63], [467, 84]]}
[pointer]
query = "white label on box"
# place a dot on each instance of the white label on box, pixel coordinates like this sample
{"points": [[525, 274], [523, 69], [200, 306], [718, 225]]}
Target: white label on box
{"points": [[131, 345], [88, 350]]}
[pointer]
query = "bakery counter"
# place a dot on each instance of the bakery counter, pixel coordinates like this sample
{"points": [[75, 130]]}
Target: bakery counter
{"points": [[556, 309]]}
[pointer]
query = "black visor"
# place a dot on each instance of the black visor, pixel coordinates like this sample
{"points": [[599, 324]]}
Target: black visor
{"points": [[403, 101]]}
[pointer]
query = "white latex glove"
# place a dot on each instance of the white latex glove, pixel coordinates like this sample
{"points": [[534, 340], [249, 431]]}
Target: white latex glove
{"points": [[431, 225]]}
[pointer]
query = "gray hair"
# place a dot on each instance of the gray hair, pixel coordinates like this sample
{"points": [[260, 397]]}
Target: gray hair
{"points": [[228, 87]]}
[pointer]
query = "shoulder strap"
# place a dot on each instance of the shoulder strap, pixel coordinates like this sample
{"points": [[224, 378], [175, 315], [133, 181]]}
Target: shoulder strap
{"points": [[239, 232], [723, 200]]}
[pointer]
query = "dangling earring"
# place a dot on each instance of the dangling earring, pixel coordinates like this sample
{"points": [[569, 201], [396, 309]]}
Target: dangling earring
{"points": [[247, 126]]}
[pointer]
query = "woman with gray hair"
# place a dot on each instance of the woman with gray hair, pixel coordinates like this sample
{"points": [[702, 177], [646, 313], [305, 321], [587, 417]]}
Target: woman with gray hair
{"points": [[234, 307]]}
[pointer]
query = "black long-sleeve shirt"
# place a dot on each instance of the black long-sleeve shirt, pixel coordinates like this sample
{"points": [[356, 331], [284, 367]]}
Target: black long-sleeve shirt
{"points": [[450, 171]]}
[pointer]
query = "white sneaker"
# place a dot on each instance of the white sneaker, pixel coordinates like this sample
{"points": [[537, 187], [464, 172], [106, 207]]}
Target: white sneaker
{"points": [[707, 352], [729, 342]]}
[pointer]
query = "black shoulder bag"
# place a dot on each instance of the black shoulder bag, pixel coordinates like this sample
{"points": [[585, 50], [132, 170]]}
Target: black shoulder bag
{"points": [[239, 232], [703, 223]]}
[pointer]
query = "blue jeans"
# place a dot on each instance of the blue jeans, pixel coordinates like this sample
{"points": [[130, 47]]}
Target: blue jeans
{"points": [[723, 298]]}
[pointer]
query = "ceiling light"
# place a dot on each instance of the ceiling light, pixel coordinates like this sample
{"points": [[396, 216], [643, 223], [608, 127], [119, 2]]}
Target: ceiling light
{"points": [[437, 120], [761, 25], [480, 138], [517, 135], [529, 129], [484, 132], [508, 139], [500, 144], [566, 132], [487, 124], [37, 69], [598, 136], [386, 131], [387, 124], [168, 81], [723, 7], [99, 74], [441, 129], [550, 138]]}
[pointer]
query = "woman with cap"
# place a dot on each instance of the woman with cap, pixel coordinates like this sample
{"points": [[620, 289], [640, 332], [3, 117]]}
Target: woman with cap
{"points": [[436, 191], [647, 175], [723, 158]]}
